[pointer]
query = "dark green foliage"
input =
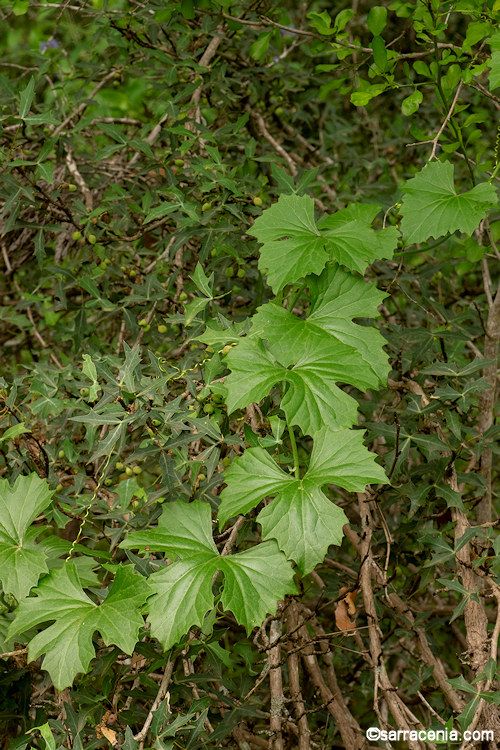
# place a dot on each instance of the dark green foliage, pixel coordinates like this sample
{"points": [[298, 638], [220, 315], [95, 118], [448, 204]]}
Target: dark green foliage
{"points": [[223, 225]]}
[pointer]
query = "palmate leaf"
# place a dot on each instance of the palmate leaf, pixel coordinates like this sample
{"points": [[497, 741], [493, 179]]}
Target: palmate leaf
{"points": [[67, 643], [293, 244], [494, 63], [345, 297], [22, 561], [431, 206], [301, 518], [254, 580], [313, 398]]}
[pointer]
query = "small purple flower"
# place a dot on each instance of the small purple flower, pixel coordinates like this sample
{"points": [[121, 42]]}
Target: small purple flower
{"points": [[285, 32], [49, 44]]}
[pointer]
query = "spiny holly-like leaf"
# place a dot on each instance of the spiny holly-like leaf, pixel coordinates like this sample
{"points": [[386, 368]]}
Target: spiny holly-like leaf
{"points": [[22, 561], [313, 398], [301, 518], [293, 244], [67, 643], [345, 297], [183, 589], [431, 206]]}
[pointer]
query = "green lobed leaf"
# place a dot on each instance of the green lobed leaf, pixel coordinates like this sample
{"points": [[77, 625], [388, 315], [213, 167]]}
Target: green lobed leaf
{"points": [[183, 589], [431, 207], [292, 241], [494, 63], [301, 518], [183, 529], [313, 398], [22, 561], [67, 643], [344, 298]]}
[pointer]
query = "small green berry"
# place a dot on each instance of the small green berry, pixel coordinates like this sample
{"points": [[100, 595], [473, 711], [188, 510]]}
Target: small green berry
{"points": [[61, 454], [77, 235], [183, 297], [162, 329], [156, 422], [147, 328], [137, 470], [208, 409], [84, 391], [71, 188], [129, 471], [201, 477], [132, 273], [257, 201], [59, 487], [241, 273], [108, 482], [229, 272], [118, 466], [179, 162], [92, 239], [206, 206], [143, 322], [226, 461]]}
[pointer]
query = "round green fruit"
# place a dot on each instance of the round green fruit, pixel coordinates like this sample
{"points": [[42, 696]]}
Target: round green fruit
{"points": [[179, 162], [61, 454], [156, 422], [59, 488], [257, 201], [92, 239], [71, 188], [118, 466], [77, 235], [162, 329], [84, 391], [229, 272], [108, 482], [209, 409], [137, 470], [201, 477], [241, 273], [129, 471], [226, 461], [183, 297], [206, 206]]}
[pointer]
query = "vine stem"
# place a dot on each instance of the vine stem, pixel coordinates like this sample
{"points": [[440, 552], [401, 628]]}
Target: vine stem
{"points": [[295, 453], [89, 505]]}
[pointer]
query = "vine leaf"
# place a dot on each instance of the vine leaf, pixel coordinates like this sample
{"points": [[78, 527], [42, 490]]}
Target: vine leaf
{"points": [[22, 560], [344, 297], [431, 206], [301, 518], [313, 398], [67, 643], [292, 241], [494, 63], [254, 580]]}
